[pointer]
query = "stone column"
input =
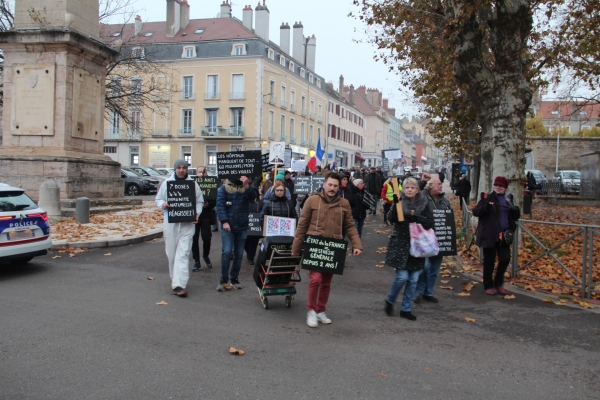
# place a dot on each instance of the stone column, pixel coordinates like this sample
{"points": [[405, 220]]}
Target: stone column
{"points": [[53, 116]]}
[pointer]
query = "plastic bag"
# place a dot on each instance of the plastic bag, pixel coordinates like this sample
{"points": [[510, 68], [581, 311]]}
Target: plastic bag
{"points": [[423, 242]]}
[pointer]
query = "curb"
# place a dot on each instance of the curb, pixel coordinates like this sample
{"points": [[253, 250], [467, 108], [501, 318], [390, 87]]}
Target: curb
{"points": [[96, 244]]}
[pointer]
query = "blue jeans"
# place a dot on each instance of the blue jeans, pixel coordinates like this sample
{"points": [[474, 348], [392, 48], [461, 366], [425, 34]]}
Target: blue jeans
{"points": [[429, 275], [232, 241], [410, 278], [359, 225]]}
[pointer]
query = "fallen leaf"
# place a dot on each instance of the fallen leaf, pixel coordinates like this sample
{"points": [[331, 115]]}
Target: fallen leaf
{"points": [[108, 254], [558, 303], [446, 287], [548, 300], [427, 369], [470, 319], [72, 254], [474, 283], [466, 286], [446, 281], [162, 303], [586, 305], [463, 294], [454, 276], [56, 257], [563, 301], [233, 350], [382, 374], [150, 278], [227, 286], [510, 297]]}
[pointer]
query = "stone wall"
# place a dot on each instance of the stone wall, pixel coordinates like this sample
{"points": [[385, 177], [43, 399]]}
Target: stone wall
{"points": [[544, 150]]}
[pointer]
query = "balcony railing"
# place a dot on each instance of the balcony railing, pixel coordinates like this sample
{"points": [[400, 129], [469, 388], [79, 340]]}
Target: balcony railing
{"points": [[273, 100], [212, 96], [303, 143], [283, 104], [320, 119], [292, 140], [313, 116], [112, 134], [186, 132], [187, 96], [237, 95], [293, 108], [122, 134], [160, 133], [134, 134], [220, 132], [303, 113], [283, 137]]}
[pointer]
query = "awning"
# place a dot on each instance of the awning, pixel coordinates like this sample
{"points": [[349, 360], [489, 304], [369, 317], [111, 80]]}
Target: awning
{"points": [[359, 157]]}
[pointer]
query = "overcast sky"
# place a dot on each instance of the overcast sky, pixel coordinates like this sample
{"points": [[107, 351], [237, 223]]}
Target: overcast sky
{"points": [[337, 52]]}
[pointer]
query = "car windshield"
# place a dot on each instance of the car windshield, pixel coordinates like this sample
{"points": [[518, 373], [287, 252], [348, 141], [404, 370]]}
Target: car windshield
{"points": [[572, 175], [15, 201], [152, 171], [130, 173], [163, 172]]}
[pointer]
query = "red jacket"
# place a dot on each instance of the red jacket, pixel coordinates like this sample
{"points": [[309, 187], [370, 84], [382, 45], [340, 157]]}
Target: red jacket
{"points": [[384, 193]]}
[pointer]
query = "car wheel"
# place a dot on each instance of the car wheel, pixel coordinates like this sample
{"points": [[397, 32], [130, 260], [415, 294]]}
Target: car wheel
{"points": [[23, 260], [133, 190]]}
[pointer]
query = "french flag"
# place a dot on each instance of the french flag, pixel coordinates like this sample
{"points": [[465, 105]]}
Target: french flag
{"points": [[316, 159]]}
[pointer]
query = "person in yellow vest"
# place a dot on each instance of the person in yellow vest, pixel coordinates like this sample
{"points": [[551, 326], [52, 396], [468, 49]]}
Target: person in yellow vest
{"points": [[387, 195]]}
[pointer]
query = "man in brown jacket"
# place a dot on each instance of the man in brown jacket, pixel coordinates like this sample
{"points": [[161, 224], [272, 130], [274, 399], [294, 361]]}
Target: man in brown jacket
{"points": [[324, 214]]}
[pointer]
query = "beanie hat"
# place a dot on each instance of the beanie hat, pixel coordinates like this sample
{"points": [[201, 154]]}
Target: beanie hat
{"points": [[180, 163], [357, 182], [501, 181], [280, 176]]}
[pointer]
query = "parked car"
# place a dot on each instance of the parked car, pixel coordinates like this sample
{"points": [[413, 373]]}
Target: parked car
{"points": [[570, 181], [148, 171], [165, 171], [24, 227], [136, 184], [540, 178]]}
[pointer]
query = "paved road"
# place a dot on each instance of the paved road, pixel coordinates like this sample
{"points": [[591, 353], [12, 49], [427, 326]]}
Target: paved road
{"points": [[89, 328]]}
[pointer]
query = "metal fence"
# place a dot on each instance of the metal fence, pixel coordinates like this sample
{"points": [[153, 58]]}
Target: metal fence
{"points": [[584, 188]]}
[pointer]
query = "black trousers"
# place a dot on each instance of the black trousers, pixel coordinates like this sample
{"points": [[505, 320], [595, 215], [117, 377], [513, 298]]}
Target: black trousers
{"points": [[376, 195], [204, 229], [489, 258], [386, 209], [466, 201], [251, 245]]}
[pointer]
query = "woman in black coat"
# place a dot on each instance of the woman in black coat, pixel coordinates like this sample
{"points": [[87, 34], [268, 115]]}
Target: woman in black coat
{"points": [[279, 205], [408, 268], [497, 215], [359, 210], [463, 190]]}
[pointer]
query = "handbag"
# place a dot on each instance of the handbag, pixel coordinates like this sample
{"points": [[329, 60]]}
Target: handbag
{"points": [[508, 237], [423, 242]]}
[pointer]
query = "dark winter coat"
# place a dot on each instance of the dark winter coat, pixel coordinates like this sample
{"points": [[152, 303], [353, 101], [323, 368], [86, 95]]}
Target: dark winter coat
{"points": [[488, 229], [236, 215], [378, 183], [207, 211], [359, 210], [398, 249], [442, 204], [278, 207], [348, 194], [463, 188]]}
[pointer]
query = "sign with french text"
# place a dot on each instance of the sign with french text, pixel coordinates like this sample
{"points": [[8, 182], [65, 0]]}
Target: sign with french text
{"points": [[279, 226], [233, 164], [209, 185], [324, 254], [303, 185], [181, 198], [298, 165], [445, 230], [369, 200], [317, 182], [254, 227]]}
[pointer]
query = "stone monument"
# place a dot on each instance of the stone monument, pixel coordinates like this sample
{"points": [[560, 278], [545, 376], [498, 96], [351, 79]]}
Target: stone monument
{"points": [[52, 121]]}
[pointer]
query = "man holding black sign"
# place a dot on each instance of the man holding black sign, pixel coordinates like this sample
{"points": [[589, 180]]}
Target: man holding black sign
{"points": [[179, 235], [325, 215]]}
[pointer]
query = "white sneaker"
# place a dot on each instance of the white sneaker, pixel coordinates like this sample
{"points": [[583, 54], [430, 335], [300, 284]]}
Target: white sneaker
{"points": [[322, 318], [311, 319]]}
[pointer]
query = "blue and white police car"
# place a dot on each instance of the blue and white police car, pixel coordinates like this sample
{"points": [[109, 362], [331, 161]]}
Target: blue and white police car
{"points": [[24, 227]]}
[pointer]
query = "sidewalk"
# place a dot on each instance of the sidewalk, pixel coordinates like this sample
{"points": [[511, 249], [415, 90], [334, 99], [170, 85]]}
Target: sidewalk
{"points": [[111, 229]]}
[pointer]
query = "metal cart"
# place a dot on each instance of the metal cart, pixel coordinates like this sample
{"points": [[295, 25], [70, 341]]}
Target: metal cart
{"points": [[278, 276]]}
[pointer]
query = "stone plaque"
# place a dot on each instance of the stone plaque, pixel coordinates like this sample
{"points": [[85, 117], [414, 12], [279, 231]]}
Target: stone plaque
{"points": [[33, 99], [87, 105]]}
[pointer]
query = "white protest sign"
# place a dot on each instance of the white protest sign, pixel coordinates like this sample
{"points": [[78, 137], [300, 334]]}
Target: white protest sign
{"points": [[279, 226], [299, 165], [276, 153]]}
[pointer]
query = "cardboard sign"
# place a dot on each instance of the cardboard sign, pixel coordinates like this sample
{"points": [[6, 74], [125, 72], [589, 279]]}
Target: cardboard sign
{"points": [[279, 226], [390, 158], [254, 228], [445, 230], [303, 185], [268, 166], [181, 198], [233, 164], [369, 201], [298, 165], [324, 254], [276, 152], [209, 186]]}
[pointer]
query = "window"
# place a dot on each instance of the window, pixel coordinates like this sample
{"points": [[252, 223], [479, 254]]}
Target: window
{"points": [[554, 112], [292, 127], [186, 126], [303, 104], [271, 54], [149, 34], [115, 87], [310, 78], [283, 96], [302, 72], [134, 155], [136, 122], [302, 136], [189, 52], [292, 97], [311, 130], [212, 86], [272, 87], [110, 150], [188, 87], [199, 31], [583, 112], [114, 130], [211, 120], [237, 118], [137, 52], [281, 60], [239, 49], [312, 106], [116, 34], [271, 123], [318, 82], [282, 127], [136, 88], [320, 109], [237, 86], [211, 155], [318, 132], [186, 154], [292, 66]]}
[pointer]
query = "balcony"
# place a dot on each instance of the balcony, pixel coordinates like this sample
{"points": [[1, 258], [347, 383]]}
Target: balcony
{"points": [[160, 133], [313, 116], [273, 100], [116, 135], [283, 137], [187, 96], [212, 96], [320, 120], [293, 108], [303, 113], [237, 95], [186, 132], [161, 97], [303, 143], [292, 140], [283, 105], [221, 132]]}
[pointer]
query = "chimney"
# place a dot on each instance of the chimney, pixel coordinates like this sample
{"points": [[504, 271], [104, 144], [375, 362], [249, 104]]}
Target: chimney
{"points": [[311, 52], [138, 25], [247, 17], [261, 28], [284, 38], [385, 103], [379, 98], [225, 9], [352, 95], [341, 87], [184, 14], [173, 17], [299, 42], [362, 89]]}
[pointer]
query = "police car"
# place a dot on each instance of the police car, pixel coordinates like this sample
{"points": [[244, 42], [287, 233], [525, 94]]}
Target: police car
{"points": [[24, 227]]}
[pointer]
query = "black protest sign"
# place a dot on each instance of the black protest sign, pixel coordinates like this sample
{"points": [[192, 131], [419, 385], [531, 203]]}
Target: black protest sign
{"points": [[324, 254], [385, 165], [303, 185], [233, 164], [181, 198], [266, 167], [254, 226], [209, 185], [369, 201], [317, 182], [445, 230]]}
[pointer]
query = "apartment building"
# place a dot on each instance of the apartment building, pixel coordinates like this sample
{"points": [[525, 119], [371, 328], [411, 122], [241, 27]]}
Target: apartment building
{"points": [[232, 88], [568, 115]]}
